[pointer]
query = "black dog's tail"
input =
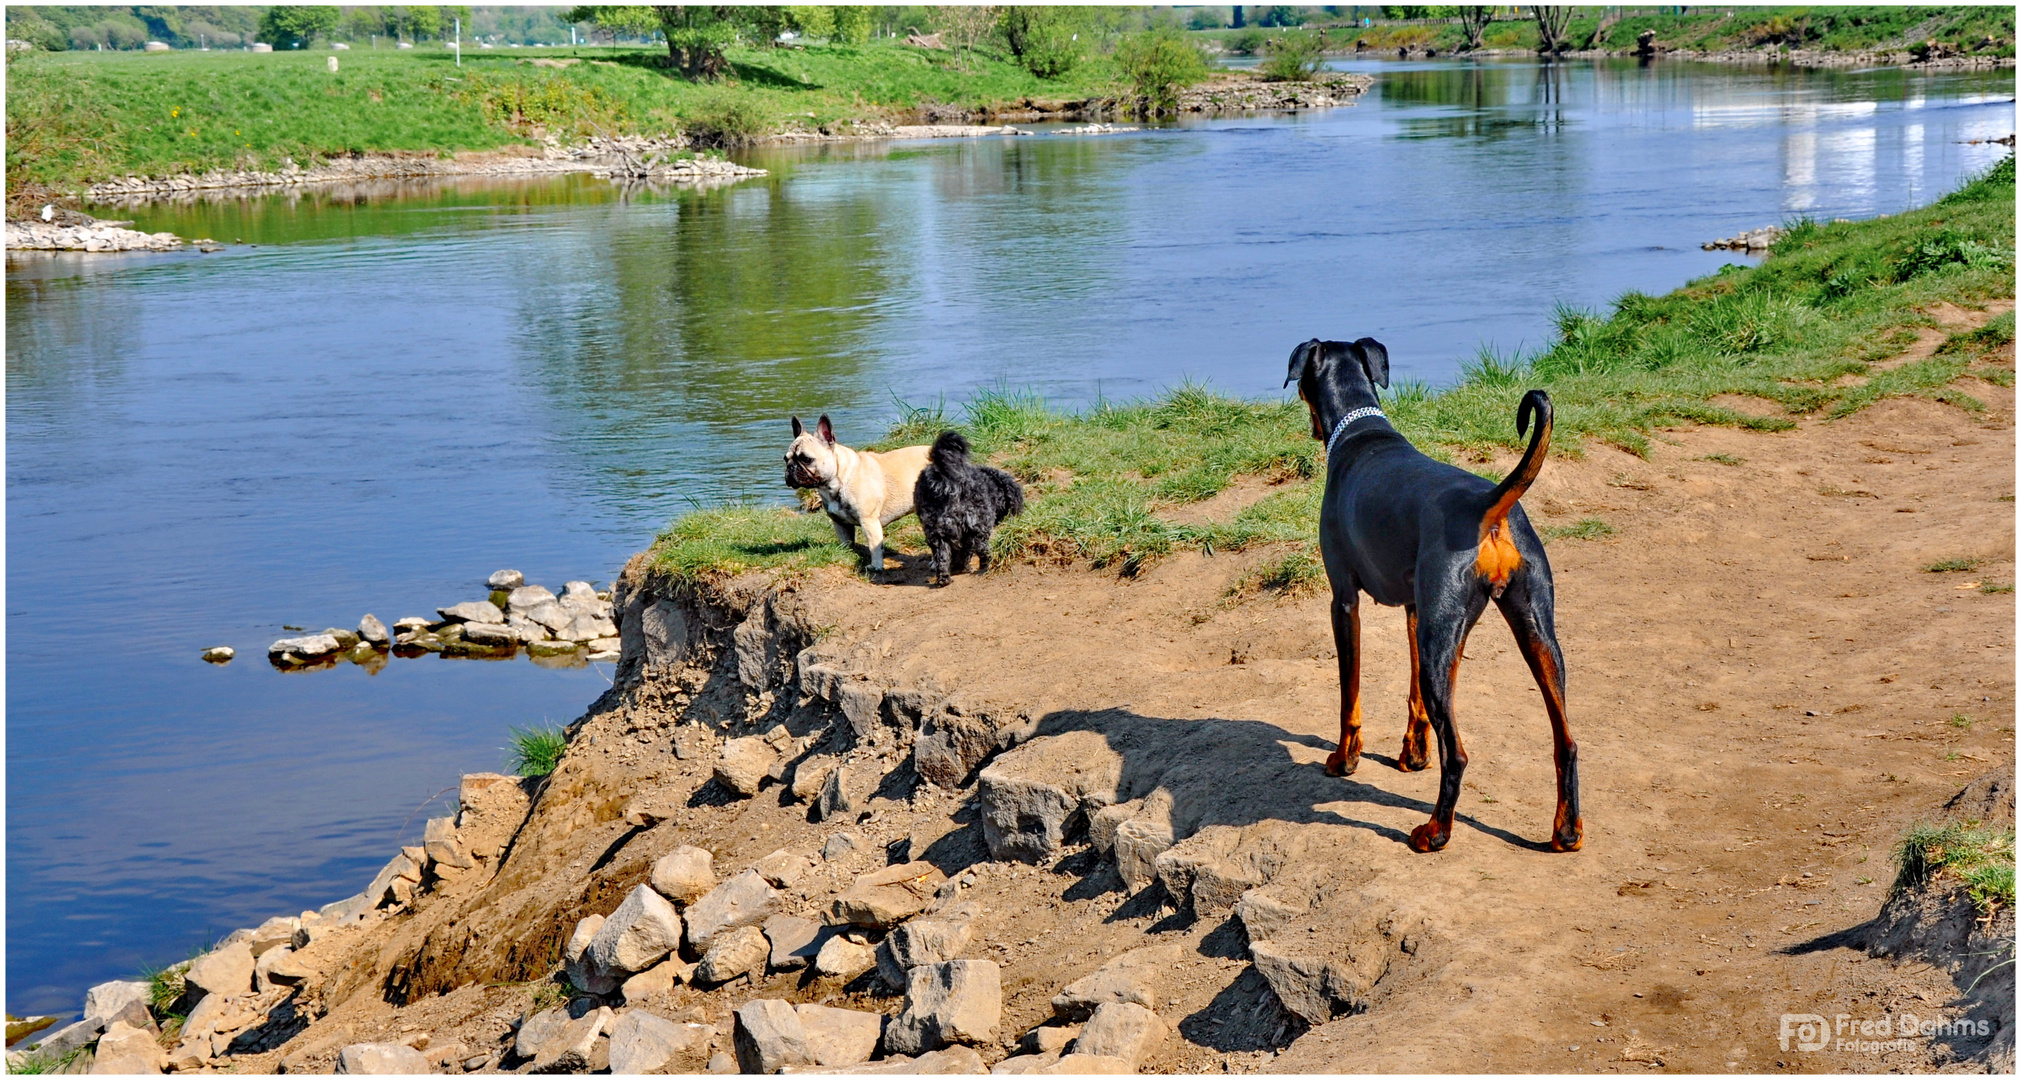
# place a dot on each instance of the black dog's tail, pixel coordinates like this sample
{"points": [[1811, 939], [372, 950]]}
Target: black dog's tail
{"points": [[1497, 557], [950, 450], [1013, 493]]}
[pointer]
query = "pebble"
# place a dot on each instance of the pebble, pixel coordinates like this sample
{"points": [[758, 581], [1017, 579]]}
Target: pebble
{"points": [[220, 654]]}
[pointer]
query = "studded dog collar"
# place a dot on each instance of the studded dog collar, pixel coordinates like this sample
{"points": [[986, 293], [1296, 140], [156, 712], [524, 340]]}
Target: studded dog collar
{"points": [[1365, 411]]}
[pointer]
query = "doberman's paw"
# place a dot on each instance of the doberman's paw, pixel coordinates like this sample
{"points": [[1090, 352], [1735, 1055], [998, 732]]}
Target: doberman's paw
{"points": [[1568, 839], [1412, 759], [1339, 764], [1428, 837]]}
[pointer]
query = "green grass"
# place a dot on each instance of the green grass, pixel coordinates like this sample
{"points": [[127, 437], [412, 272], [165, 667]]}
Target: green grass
{"points": [[37, 1064], [77, 117], [1101, 483], [1724, 459], [1961, 721], [165, 986], [536, 751], [1980, 860], [1952, 566], [1992, 588]]}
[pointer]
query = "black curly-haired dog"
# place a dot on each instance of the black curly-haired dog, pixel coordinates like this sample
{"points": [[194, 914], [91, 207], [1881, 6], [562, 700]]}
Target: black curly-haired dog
{"points": [[960, 503]]}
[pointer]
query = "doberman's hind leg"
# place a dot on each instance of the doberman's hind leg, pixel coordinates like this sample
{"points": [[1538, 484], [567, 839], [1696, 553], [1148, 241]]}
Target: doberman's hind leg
{"points": [[1417, 734], [1528, 611], [1441, 639], [1347, 644]]}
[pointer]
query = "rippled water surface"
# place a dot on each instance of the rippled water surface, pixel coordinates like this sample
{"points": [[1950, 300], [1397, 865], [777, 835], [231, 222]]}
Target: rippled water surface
{"points": [[387, 393]]}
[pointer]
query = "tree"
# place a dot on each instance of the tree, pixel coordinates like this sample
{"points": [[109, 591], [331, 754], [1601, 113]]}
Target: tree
{"points": [[852, 24], [1159, 64], [966, 24], [295, 27], [1292, 57], [1044, 39], [1551, 23], [1474, 20]]}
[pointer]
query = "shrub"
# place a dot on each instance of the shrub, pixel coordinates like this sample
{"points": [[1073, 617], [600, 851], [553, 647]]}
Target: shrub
{"points": [[1045, 40], [1159, 64], [729, 119], [536, 751], [1292, 57], [1248, 42]]}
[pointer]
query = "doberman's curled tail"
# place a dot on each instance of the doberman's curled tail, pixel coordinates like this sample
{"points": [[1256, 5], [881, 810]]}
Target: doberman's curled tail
{"points": [[949, 449], [1498, 558]]}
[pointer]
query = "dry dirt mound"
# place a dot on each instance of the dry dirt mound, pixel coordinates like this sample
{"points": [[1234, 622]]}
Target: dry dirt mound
{"points": [[1767, 685]]}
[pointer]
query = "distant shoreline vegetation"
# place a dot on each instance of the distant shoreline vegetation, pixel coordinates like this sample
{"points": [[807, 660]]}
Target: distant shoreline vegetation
{"points": [[77, 115], [1802, 335]]}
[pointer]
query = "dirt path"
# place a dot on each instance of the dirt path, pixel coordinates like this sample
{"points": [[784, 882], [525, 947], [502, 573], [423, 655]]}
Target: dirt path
{"points": [[1766, 685]]}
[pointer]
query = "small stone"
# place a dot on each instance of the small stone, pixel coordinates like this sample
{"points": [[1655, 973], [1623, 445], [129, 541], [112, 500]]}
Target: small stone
{"points": [[810, 775], [841, 846], [226, 971], [570, 1048], [1089, 1065], [381, 1059], [587, 628], [889, 896], [1314, 989], [504, 580], [491, 635], [581, 592], [958, 1001], [744, 900], [839, 1036], [473, 611], [1121, 1029], [536, 1031], [783, 869], [659, 979], [740, 951], [639, 934], [684, 874], [844, 959], [373, 632], [439, 839], [745, 764], [769, 1037], [1051, 1039], [644, 1043], [297, 650], [846, 791], [795, 941], [1025, 1064], [720, 1062], [408, 624], [220, 654], [263, 968]]}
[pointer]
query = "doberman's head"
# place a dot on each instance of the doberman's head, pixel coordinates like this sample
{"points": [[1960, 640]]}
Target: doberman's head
{"points": [[1337, 377]]}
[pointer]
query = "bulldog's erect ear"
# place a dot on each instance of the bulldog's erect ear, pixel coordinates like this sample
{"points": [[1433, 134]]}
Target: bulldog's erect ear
{"points": [[1374, 360], [1305, 355], [798, 428], [826, 429]]}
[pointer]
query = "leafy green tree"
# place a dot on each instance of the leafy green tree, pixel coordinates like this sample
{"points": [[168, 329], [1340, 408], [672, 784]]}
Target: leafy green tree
{"points": [[698, 35], [1045, 40], [1280, 15], [813, 20], [1159, 64], [1205, 19], [852, 24], [1292, 57], [294, 27]]}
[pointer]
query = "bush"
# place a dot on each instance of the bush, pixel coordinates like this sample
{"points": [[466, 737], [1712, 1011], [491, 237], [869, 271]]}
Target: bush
{"points": [[1045, 40], [1159, 64], [730, 119], [1248, 42], [1292, 57]]}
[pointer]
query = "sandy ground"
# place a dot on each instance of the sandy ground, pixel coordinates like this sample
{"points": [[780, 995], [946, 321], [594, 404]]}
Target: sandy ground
{"points": [[1766, 686]]}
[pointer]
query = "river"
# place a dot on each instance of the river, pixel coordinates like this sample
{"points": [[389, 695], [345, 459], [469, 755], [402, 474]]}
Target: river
{"points": [[386, 393]]}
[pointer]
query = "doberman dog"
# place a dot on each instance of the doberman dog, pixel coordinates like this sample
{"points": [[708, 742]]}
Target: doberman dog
{"points": [[1442, 542]]}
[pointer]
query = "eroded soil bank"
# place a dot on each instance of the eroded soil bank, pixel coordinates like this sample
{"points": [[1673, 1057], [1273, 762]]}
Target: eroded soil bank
{"points": [[1767, 686]]}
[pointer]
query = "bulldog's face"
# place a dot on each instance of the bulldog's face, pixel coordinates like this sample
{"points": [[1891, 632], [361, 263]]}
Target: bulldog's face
{"points": [[810, 461]]}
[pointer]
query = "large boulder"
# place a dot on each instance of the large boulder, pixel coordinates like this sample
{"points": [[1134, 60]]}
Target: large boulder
{"points": [[887, 897], [795, 941], [107, 999], [959, 1001], [684, 874], [569, 1050], [472, 611], [839, 1036], [1121, 1029], [1133, 977], [929, 939], [1310, 987], [644, 1043], [381, 1059], [581, 970], [746, 763], [128, 1050], [739, 951], [224, 971], [527, 597], [846, 790], [537, 1030], [744, 900], [639, 934], [769, 1037], [841, 958]]}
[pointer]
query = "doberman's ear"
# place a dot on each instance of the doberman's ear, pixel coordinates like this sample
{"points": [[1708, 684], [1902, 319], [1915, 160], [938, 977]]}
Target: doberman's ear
{"points": [[826, 429], [1374, 360], [1302, 357], [798, 428]]}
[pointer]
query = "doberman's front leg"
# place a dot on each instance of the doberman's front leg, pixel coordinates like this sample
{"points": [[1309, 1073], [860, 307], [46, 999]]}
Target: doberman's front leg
{"points": [[1417, 734], [1529, 618], [1347, 643]]}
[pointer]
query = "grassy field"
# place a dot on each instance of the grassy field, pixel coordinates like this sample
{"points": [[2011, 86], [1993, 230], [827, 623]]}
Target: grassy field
{"points": [[78, 117], [1831, 301], [1960, 29]]}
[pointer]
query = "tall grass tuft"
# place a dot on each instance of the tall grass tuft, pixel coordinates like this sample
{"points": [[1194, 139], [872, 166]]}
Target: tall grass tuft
{"points": [[1982, 860], [535, 751]]}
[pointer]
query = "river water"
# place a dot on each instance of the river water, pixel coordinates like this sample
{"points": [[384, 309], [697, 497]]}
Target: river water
{"points": [[385, 394]]}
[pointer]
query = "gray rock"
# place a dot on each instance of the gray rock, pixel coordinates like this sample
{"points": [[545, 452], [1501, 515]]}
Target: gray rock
{"points": [[525, 630], [744, 900], [769, 1037], [847, 790], [526, 597], [844, 959], [504, 580], [958, 1001], [757, 651], [740, 951], [720, 1063], [226, 971], [953, 1061], [661, 634], [587, 628], [840, 846], [810, 775], [473, 611], [551, 616], [373, 632], [1025, 1064], [929, 939], [1315, 989], [860, 703], [1121, 1029], [745, 764], [444, 847], [107, 998], [297, 650], [536, 1031], [263, 968], [839, 1036], [1050, 1039], [1138, 843], [1089, 1065], [1265, 913], [381, 1059], [582, 592], [408, 624], [643, 1043], [1022, 818], [795, 941], [1133, 977], [69, 1037], [887, 897], [580, 969], [653, 981], [345, 638], [401, 868], [127, 1050], [570, 1048], [219, 654], [494, 635], [684, 874], [639, 934]]}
